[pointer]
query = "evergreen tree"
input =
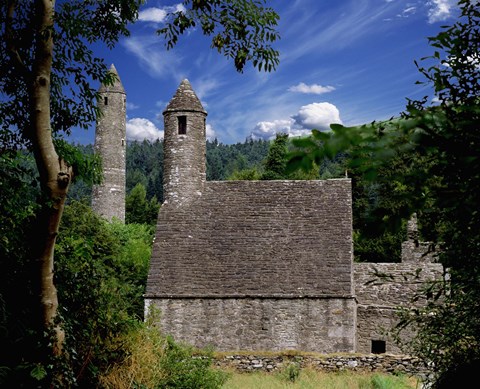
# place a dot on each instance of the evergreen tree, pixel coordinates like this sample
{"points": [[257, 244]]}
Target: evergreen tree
{"points": [[140, 210]]}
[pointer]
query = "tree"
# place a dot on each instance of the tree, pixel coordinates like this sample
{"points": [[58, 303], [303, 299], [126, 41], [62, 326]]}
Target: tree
{"points": [[276, 161], [140, 210], [47, 68], [439, 146]]}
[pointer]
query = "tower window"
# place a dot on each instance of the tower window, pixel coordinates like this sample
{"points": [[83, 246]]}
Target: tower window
{"points": [[182, 125], [105, 100], [378, 346]]}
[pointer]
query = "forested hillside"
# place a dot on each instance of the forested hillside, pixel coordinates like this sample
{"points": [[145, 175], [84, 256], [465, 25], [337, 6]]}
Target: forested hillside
{"points": [[145, 164]]}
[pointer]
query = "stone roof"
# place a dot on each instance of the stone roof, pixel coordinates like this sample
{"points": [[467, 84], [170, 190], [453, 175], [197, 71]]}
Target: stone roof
{"points": [[256, 239], [117, 84], [185, 99]]}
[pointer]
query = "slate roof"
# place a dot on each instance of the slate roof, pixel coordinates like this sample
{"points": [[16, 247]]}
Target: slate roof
{"points": [[256, 239], [185, 99]]}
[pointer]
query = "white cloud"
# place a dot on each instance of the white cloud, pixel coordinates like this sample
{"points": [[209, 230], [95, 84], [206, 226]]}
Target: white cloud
{"points": [[140, 129], [315, 115], [267, 130], [211, 135], [440, 10], [158, 15], [318, 116], [313, 89]]}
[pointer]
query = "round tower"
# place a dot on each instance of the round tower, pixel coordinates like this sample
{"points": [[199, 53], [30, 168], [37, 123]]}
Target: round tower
{"points": [[184, 145], [108, 198]]}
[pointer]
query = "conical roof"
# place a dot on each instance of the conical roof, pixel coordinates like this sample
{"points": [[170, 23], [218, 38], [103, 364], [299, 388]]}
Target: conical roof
{"points": [[185, 99], [117, 84]]}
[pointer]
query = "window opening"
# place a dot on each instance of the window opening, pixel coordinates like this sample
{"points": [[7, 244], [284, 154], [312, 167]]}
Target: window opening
{"points": [[105, 100], [378, 346], [182, 125]]}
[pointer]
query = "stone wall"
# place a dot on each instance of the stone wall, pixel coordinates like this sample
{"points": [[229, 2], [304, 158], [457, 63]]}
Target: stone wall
{"points": [[318, 325], [381, 289], [385, 363], [108, 198]]}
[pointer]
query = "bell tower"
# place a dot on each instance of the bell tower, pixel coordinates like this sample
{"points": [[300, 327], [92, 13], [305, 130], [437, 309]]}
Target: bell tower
{"points": [[108, 198], [184, 145]]}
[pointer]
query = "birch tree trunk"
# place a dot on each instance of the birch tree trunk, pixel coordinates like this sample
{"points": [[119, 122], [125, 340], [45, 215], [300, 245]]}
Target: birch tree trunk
{"points": [[55, 175]]}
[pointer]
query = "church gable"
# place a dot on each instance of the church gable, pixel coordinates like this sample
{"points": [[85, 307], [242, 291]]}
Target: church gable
{"points": [[288, 239]]}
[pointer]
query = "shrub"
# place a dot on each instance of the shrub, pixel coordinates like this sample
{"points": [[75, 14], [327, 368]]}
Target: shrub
{"points": [[157, 361]]}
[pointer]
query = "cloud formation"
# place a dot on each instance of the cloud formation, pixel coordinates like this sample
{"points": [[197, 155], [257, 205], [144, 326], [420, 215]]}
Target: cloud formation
{"points": [[158, 15], [211, 135], [152, 56], [140, 128], [315, 115], [440, 10], [312, 89]]}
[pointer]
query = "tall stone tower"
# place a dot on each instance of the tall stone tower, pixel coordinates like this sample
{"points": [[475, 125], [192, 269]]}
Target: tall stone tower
{"points": [[108, 198], [184, 145]]}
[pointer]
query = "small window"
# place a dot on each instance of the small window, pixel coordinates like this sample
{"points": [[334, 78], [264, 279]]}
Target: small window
{"points": [[182, 125], [378, 346], [105, 100]]}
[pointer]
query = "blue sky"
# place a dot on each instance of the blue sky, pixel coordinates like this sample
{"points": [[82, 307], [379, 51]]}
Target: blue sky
{"points": [[341, 61]]}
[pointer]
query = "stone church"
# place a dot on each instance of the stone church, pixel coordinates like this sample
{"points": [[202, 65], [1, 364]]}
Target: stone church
{"points": [[266, 265]]}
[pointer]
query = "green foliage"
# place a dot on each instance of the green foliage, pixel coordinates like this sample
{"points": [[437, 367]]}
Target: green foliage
{"points": [[188, 371], [144, 165], [276, 161], [86, 166], [138, 209], [154, 360], [101, 275], [245, 174], [223, 161], [379, 381], [77, 24], [242, 29], [291, 372]]}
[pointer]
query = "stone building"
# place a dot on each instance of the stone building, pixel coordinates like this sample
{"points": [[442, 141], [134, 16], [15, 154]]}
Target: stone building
{"points": [[262, 265], [108, 198]]}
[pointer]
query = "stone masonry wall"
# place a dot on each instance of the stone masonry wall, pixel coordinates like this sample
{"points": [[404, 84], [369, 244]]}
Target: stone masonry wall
{"points": [[320, 325], [381, 288], [385, 363], [184, 158], [108, 198]]}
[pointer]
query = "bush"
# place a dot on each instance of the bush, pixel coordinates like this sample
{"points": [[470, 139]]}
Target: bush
{"points": [[156, 361], [101, 271]]}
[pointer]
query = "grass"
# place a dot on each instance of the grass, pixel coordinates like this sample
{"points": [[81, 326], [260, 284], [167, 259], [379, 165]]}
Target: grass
{"points": [[312, 379]]}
